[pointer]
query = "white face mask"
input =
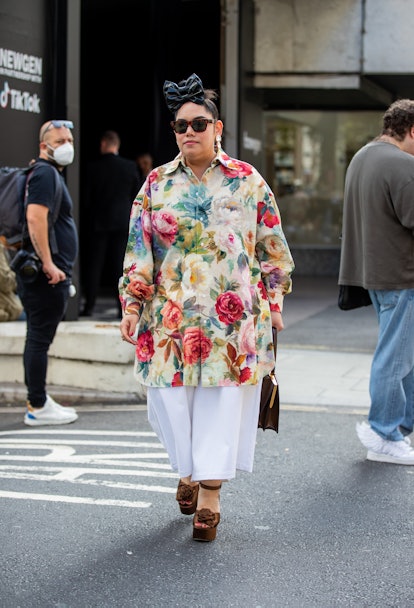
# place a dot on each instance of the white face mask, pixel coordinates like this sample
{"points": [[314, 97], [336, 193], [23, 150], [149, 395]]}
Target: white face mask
{"points": [[63, 155]]}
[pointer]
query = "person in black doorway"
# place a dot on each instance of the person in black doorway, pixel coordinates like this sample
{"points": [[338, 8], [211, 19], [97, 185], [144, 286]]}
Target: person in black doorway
{"points": [[145, 164], [112, 183]]}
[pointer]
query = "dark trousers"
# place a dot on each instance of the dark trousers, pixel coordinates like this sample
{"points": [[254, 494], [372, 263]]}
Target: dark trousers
{"points": [[105, 258], [45, 306]]}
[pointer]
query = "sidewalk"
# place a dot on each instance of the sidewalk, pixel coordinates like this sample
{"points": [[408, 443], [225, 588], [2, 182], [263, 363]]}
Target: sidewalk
{"points": [[324, 354]]}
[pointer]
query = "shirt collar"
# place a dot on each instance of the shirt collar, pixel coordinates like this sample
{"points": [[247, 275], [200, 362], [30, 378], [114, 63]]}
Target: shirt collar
{"points": [[220, 158]]}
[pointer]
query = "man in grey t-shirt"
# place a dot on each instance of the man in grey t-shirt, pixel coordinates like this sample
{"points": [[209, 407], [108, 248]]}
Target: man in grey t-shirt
{"points": [[377, 253]]}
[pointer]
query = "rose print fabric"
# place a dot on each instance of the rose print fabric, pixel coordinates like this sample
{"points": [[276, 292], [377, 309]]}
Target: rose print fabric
{"points": [[205, 263]]}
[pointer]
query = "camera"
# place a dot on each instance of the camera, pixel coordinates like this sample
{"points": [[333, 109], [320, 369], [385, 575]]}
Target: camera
{"points": [[26, 265]]}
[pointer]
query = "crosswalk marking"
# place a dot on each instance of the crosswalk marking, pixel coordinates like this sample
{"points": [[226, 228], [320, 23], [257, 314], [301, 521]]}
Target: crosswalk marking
{"points": [[95, 459], [112, 444], [75, 500], [101, 459], [65, 476], [88, 471], [92, 433]]}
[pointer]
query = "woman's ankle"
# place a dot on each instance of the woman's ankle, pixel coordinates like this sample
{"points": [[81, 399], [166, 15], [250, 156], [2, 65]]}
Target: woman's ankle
{"points": [[188, 481], [209, 495]]}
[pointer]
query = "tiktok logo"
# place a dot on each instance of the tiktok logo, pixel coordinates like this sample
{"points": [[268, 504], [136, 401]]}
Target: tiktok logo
{"points": [[19, 100]]}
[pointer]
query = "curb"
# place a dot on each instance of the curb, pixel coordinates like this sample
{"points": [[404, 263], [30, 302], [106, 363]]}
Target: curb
{"points": [[15, 393]]}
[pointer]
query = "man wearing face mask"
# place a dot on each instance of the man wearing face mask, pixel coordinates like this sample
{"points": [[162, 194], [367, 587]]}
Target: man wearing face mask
{"points": [[53, 236]]}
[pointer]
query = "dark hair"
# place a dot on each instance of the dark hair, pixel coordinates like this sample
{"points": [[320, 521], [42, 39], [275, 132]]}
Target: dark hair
{"points": [[208, 103], [398, 119], [209, 97], [111, 137]]}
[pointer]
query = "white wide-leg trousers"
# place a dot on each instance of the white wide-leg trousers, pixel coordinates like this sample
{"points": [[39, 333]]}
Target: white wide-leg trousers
{"points": [[208, 433]]}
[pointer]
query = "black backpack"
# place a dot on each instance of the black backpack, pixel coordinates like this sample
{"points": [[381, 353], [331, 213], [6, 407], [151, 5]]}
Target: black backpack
{"points": [[13, 192]]}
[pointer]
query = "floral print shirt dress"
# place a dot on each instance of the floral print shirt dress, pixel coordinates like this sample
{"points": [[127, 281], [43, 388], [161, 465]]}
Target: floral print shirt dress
{"points": [[206, 262]]}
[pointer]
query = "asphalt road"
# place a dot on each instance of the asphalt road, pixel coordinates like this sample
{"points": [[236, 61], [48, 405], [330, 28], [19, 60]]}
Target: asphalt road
{"points": [[88, 519]]}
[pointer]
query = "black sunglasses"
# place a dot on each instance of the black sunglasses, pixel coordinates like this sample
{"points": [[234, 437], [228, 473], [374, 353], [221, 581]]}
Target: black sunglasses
{"points": [[57, 124], [197, 124]]}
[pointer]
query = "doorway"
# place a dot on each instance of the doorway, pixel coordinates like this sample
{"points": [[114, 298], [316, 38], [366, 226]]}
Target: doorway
{"points": [[141, 44]]}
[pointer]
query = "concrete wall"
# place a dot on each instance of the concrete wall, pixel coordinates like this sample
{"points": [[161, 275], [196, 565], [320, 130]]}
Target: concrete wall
{"points": [[352, 36], [84, 355], [389, 39], [307, 35]]}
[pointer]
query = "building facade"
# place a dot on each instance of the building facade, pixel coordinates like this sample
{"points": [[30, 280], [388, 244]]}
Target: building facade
{"points": [[321, 74], [303, 84]]}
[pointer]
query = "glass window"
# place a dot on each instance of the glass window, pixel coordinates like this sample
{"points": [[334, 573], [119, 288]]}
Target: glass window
{"points": [[307, 154]]}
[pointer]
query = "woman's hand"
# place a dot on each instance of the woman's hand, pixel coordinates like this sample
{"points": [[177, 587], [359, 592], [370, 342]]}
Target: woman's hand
{"points": [[277, 320], [128, 327]]}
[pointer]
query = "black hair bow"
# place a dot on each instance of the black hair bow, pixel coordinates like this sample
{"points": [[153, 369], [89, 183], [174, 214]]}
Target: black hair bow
{"points": [[177, 95]]}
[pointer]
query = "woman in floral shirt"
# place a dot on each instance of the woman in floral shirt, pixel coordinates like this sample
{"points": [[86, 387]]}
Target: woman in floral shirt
{"points": [[205, 272]]}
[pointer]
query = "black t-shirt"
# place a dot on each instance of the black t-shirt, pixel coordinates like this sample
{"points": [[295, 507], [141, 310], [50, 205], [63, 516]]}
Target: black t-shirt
{"points": [[111, 187], [42, 191]]}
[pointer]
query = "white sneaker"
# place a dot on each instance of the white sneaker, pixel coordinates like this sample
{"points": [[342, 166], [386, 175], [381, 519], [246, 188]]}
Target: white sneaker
{"points": [[368, 437], [50, 413], [65, 408], [382, 450]]}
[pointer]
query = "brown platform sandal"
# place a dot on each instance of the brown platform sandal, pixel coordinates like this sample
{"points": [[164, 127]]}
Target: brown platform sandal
{"points": [[187, 493], [206, 516]]}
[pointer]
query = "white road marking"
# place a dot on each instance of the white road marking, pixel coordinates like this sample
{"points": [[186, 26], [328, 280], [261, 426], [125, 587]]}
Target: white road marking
{"points": [[60, 452], [37, 431], [75, 499], [115, 444], [85, 459], [88, 471], [17, 409], [91, 482], [61, 447]]}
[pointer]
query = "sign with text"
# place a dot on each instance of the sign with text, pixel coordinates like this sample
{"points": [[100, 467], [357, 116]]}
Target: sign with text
{"points": [[25, 75]]}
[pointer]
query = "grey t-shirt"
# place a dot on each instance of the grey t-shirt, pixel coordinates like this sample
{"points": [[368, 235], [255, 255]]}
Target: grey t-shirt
{"points": [[377, 248]]}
